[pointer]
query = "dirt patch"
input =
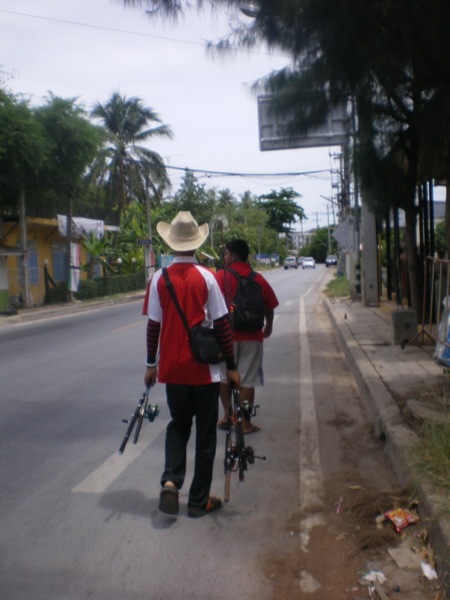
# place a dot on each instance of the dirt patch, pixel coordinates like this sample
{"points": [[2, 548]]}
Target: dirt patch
{"points": [[435, 398], [347, 545]]}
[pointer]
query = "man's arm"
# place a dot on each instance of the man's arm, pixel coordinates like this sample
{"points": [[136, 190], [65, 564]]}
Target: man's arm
{"points": [[151, 373], [225, 340], [268, 314]]}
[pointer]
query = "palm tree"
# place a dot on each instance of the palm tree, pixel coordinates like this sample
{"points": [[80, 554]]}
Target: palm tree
{"points": [[126, 167]]}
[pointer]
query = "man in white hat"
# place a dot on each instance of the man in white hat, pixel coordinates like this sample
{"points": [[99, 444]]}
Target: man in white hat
{"points": [[192, 388]]}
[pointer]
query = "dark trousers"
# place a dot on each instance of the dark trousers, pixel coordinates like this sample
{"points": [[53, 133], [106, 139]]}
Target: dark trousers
{"points": [[186, 402]]}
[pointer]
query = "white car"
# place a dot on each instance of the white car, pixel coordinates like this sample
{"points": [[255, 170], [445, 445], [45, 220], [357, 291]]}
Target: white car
{"points": [[308, 262], [331, 260], [290, 262]]}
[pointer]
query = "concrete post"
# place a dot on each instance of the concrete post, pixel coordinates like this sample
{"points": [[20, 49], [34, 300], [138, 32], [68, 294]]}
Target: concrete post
{"points": [[370, 283]]}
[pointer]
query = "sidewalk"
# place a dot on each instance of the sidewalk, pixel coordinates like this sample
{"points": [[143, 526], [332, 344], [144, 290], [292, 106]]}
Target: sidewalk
{"points": [[386, 374]]}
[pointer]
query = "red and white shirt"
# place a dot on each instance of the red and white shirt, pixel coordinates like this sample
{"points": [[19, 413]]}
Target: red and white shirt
{"points": [[202, 303]]}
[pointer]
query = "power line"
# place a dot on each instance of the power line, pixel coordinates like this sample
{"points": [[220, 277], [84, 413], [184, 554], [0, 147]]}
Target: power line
{"points": [[130, 32], [236, 174]]}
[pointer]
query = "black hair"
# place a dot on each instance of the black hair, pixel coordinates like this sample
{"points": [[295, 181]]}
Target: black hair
{"points": [[240, 248]]}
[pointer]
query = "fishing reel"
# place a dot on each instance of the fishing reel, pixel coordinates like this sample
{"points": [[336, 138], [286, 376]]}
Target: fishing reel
{"points": [[248, 456], [151, 412], [248, 409]]}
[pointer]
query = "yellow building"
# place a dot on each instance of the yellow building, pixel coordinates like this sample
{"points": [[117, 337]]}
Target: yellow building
{"points": [[46, 246]]}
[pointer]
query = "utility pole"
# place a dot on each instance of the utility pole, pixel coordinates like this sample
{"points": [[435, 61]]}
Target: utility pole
{"points": [[23, 246], [329, 231]]}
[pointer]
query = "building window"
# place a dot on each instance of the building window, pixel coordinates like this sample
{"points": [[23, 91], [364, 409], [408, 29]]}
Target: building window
{"points": [[59, 262], [33, 269]]}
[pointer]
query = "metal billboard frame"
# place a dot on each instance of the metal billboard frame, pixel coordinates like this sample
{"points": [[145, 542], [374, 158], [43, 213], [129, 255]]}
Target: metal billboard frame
{"points": [[272, 129]]}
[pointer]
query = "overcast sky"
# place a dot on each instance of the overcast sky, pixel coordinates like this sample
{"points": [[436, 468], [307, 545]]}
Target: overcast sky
{"points": [[90, 48]]}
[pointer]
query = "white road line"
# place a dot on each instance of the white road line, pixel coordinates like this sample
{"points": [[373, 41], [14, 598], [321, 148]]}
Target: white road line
{"points": [[288, 302], [100, 479], [311, 487]]}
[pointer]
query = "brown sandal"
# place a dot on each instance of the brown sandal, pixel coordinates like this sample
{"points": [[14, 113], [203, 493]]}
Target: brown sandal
{"points": [[168, 500], [212, 504]]}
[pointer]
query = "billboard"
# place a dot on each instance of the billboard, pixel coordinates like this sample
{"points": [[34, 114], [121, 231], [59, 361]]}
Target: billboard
{"points": [[273, 131]]}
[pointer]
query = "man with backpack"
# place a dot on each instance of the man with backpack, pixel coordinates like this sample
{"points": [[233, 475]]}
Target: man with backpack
{"points": [[251, 302]]}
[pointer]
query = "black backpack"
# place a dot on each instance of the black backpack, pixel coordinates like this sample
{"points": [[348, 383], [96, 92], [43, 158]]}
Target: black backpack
{"points": [[247, 307]]}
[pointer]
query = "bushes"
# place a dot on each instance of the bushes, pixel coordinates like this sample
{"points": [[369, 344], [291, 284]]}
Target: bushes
{"points": [[87, 290], [100, 286], [57, 294], [108, 286]]}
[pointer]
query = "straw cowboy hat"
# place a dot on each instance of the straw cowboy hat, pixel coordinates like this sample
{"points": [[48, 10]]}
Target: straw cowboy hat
{"points": [[184, 233]]}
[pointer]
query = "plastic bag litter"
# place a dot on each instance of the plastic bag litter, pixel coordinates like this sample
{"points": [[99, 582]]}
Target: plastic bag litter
{"points": [[442, 351], [375, 577], [401, 518], [428, 571]]}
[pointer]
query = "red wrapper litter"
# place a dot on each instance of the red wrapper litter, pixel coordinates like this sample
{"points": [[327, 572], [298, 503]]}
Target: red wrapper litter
{"points": [[401, 518]]}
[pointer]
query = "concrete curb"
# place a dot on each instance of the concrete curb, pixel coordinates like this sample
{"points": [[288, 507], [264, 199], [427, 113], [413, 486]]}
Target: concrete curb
{"points": [[399, 439], [50, 311]]}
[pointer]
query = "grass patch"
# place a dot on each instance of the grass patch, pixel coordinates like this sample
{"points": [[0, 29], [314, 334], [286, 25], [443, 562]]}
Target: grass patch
{"points": [[433, 454], [338, 287]]}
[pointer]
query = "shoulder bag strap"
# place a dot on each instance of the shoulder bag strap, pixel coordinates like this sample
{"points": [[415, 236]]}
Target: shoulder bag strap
{"points": [[235, 273], [171, 291], [251, 275]]}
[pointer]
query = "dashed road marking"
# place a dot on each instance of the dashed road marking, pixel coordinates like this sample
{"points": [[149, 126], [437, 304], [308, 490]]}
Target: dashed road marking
{"points": [[100, 479]]}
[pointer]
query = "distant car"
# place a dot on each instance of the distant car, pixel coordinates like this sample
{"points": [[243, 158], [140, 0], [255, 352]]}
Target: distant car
{"points": [[290, 262], [331, 260], [308, 262]]}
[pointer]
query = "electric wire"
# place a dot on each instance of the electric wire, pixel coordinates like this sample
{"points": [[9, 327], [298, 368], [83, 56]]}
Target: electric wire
{"points": [[130, 32]]}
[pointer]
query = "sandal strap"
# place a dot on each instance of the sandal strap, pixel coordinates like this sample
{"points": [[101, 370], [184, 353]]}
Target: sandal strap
{"points": [[213, 504]]}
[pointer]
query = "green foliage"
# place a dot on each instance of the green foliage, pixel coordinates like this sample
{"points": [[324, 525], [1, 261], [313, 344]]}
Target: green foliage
{"points": [[128, 170], [57, 294], [338, 287], [432, 455], [99, 250], [73, 140], [440, 239], [87, 290], [24, 150], [318, 248], [109, 286], [282, 209], [193, 196]]}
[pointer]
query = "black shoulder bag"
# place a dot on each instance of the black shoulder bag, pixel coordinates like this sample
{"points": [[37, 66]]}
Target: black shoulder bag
{"points": [[202, 340]]}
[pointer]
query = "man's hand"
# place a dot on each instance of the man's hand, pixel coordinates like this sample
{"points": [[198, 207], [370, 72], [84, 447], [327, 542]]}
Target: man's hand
{"points": [[267, 332], [151, 376], [234, 376]]}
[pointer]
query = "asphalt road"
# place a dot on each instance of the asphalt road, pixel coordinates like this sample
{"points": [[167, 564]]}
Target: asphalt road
{"points": [[79, 521]]}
